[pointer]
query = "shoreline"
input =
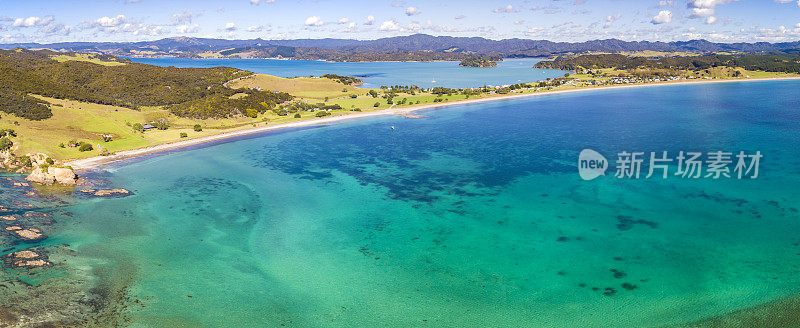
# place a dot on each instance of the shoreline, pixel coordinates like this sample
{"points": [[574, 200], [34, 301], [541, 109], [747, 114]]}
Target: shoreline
{"points": [[97, 161]]}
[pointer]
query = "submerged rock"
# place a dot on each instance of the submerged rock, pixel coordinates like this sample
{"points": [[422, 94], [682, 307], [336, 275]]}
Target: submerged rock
{"points": [[26, 259], [61, 175], [30, 234], [8, 218], [112, 192]]}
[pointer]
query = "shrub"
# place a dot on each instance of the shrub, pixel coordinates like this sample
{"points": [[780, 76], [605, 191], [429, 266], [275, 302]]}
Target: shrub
{"points": [[184, 135], [326, 99], [161, 124], [354, 96], [377, 104], [8, 132], [297, 115], [85, 146], [251, 113], [322, 114], [61, 145], [138, 127], [49, 161], [356, 109], [198, 128], [25, 160], [5, 143]]}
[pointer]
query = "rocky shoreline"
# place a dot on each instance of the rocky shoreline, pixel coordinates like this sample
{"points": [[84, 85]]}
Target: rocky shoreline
{"points": [[42, 282]]}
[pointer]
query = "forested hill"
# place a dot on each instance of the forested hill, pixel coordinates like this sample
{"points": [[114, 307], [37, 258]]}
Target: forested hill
{"points": [[120, 82], [417, 45]]}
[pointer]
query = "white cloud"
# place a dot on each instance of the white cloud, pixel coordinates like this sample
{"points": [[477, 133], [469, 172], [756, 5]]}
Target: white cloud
{"points": [[370, 20], [258, 28], [610, 20], [184, 17], [701, 12], [57, 28], [506, 9], [109, 22], [460, 17], [711, 20], [535, 31], [230, 27], [314, 21], [121, 24], [389, 25], [411, 11], [32, 21], [255, 2], [186, 28], [704, 8], [664, 16], [344, 20]]}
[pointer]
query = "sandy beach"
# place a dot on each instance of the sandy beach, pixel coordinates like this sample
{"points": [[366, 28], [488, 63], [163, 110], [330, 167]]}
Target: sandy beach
{"points": [[97, 161]]}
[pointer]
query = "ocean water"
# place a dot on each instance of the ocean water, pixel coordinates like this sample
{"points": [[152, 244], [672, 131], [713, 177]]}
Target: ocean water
{"points": [[376, 74], [473, 216]]}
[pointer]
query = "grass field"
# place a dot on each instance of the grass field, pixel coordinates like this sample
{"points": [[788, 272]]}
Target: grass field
{"points": [[303, 87], [87, 58], [73, 120]]}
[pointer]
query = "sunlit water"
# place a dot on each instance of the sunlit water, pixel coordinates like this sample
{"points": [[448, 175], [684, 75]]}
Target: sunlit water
{"points": [[473, 216], [376, 74]]}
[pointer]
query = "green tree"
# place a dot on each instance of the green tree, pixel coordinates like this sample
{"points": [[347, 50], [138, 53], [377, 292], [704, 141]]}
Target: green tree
{"points": [[5, 143], [198, 128]]}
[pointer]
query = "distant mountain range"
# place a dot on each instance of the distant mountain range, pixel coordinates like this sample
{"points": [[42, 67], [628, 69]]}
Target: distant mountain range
{"points": [[417, 44]]}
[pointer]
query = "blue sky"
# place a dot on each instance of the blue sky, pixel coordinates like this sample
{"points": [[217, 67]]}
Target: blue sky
{"points": [[556, 20]]}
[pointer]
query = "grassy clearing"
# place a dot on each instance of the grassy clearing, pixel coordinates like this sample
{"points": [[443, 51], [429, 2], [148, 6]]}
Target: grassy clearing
{"points": [[87, 58], [80, 121], [303, 87]]}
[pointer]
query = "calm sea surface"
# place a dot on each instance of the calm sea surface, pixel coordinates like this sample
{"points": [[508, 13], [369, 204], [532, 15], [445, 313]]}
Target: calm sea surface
{"points": [[474, 216], [376, 74]]}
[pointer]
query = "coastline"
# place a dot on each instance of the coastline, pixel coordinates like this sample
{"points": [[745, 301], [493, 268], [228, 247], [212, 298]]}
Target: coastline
{"points": [[97, 161]]}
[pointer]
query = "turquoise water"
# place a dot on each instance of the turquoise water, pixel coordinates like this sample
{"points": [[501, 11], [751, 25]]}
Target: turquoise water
{"points": [[473, 216], [376, 74]]}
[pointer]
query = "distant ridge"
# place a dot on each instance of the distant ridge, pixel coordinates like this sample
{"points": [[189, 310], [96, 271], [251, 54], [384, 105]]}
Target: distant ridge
{"points": [[190, 46]]}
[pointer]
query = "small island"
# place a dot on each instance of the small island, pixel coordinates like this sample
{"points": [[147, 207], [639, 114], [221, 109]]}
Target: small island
{"points": [[478, 62]]}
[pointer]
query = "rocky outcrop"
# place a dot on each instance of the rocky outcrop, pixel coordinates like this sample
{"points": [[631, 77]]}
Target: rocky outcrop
{"points": [[26, 259], [61, 175], [27, 235], [118, 192]]}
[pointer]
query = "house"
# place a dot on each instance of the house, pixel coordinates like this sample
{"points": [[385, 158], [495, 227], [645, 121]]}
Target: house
{"points": [[147, 127]]}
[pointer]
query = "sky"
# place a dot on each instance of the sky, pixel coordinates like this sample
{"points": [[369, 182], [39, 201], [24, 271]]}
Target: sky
{"points": [[556, 20]]}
